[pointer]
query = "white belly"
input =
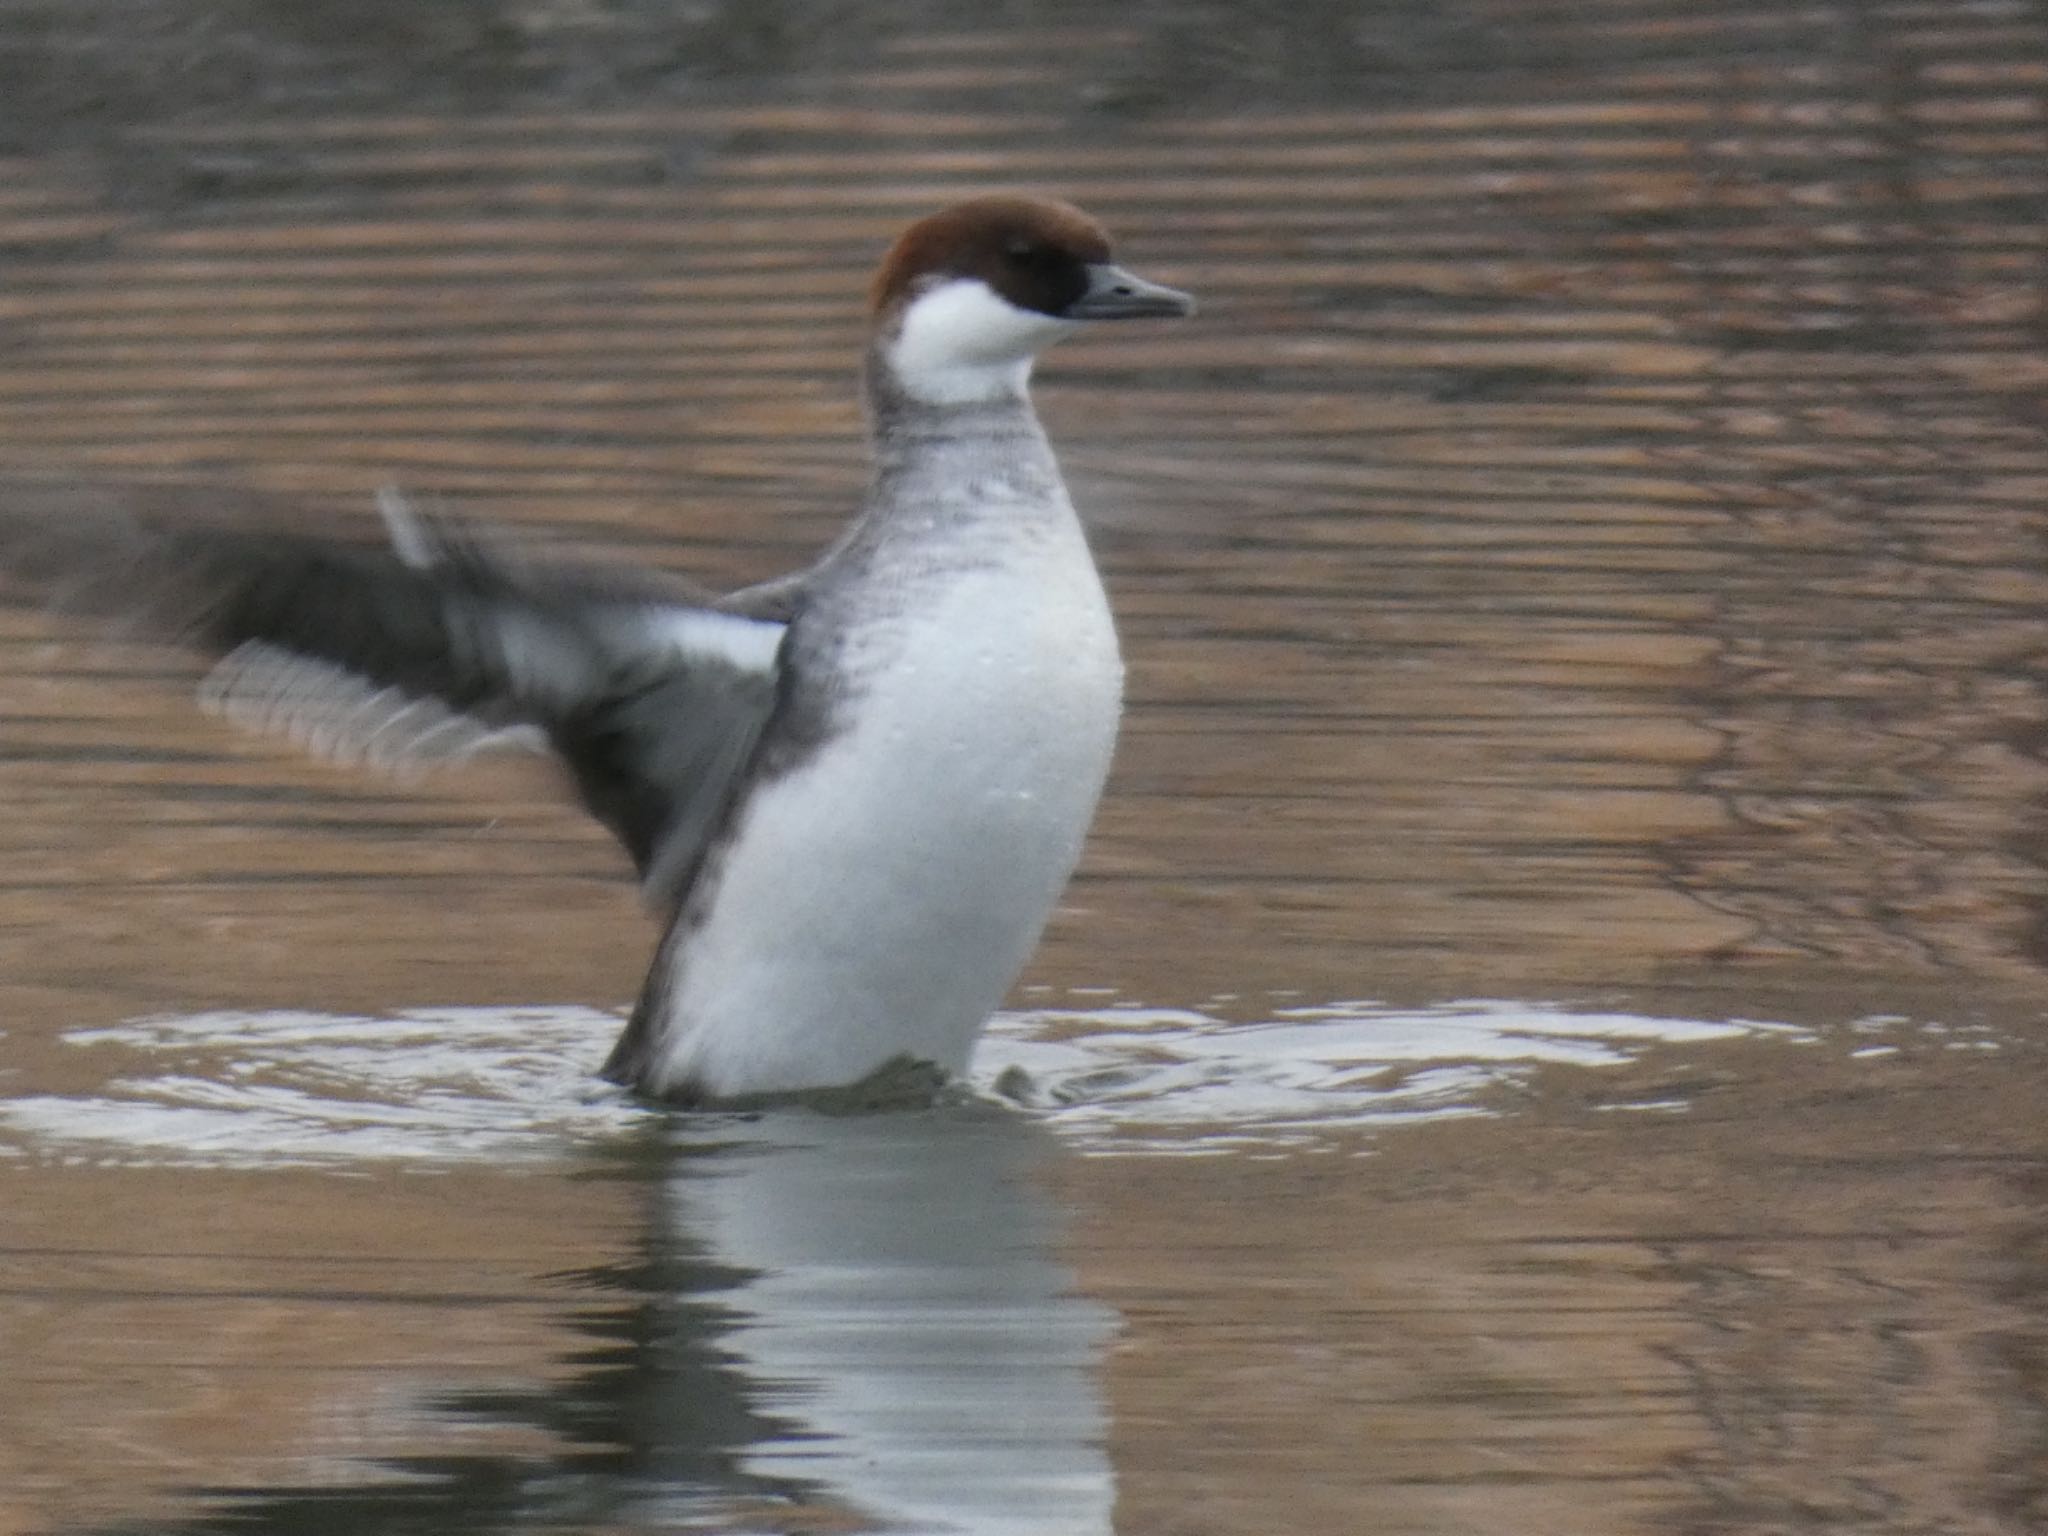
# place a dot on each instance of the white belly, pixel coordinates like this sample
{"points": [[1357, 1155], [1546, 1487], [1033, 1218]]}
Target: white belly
{"points": [[878, 901]]}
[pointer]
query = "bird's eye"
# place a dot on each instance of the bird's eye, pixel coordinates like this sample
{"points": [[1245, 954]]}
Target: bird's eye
{"points": [[1026, 253]]}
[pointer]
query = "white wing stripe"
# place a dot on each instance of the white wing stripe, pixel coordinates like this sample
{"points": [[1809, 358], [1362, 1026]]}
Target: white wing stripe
{"points": [[705, 634], [410, 540]]}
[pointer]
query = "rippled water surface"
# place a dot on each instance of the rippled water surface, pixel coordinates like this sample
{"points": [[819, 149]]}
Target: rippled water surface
{"points": [[1549, 1034]]}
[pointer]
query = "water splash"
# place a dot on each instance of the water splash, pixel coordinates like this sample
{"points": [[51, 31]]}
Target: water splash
{"points": [[517, 1086], [285, 1088], [1130, 1079]]}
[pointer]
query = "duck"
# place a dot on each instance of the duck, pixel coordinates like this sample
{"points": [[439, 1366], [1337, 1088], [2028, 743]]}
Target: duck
{"points": [[853, 794]]}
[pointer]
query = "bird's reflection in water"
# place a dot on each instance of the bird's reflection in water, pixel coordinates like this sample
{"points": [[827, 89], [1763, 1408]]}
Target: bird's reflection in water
{"points": [[881, 1292], [833, 1323]]}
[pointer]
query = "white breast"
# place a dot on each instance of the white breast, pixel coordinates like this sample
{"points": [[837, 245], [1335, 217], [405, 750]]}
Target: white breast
{"points": [[878, 901]]}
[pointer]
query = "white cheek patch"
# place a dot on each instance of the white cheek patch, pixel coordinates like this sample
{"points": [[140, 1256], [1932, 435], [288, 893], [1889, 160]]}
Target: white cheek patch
{"points": [[960, 340]]}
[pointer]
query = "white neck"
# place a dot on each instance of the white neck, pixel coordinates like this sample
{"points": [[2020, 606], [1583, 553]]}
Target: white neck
{"points": [[959, 342]]}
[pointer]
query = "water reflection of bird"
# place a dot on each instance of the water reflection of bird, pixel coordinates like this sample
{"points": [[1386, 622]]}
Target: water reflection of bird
{"points": [[855, 792], [887, 1311]]}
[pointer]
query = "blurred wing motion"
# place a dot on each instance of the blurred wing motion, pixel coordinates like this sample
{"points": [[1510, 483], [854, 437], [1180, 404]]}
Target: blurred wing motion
{"points": [[439, 647]]}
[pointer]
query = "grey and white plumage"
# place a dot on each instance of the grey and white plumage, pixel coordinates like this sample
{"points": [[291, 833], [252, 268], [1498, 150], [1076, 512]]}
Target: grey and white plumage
{"points": [[854, 793]]}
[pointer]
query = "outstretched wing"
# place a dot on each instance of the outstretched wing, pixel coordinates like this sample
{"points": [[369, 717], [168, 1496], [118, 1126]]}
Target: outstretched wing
{"points": [[442, 645]]}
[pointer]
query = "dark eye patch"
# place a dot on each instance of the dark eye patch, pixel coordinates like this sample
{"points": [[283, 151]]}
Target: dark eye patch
{"points": [[1031, 255], [1039, 275]]}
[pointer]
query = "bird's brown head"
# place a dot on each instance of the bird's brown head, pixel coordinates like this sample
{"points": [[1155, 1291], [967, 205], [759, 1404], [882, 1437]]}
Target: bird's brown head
{"points": [[985, 284]]}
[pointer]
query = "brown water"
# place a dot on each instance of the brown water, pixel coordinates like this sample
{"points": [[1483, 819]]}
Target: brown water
{"points": [[1548, 1037]]}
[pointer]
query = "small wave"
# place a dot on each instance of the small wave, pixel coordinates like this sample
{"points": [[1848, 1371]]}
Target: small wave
{"points": [[518, 1086], [1132, 1079]]}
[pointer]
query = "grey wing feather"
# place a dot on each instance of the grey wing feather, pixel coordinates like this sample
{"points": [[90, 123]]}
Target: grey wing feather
{"points": [[438, 646], [335, 714]]}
